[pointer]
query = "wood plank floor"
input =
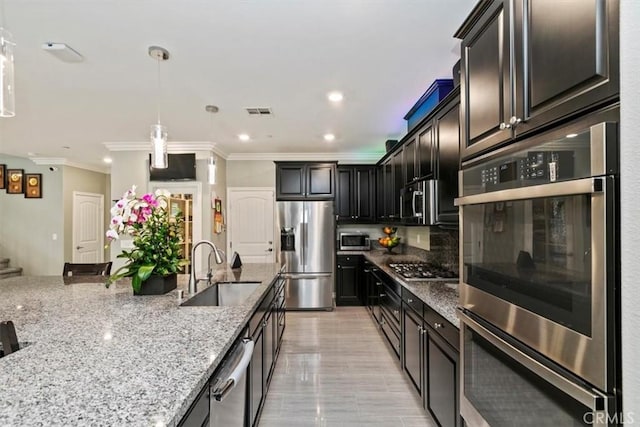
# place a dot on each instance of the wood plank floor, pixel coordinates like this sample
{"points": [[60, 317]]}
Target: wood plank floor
{"points": [[334, 369]]}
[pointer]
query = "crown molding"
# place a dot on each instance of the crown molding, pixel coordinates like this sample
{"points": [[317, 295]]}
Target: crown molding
{"points": [[341, 157], [47, 161], [172, 147]]}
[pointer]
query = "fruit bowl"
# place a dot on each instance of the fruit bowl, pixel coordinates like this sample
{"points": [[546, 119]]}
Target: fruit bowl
{"points": [[389, 230], [389, 242]]}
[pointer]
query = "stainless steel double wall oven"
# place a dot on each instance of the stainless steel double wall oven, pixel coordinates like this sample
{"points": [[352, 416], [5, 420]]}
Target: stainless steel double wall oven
{"points": [[539, 228]]}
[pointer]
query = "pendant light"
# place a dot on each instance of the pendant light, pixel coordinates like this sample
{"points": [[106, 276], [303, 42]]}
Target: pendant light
{"points": [[211, 165], [7, 94], [159, 156]]}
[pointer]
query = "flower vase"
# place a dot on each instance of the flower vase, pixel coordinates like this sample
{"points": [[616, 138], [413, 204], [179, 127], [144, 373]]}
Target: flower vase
{"points": [[158, 285]]}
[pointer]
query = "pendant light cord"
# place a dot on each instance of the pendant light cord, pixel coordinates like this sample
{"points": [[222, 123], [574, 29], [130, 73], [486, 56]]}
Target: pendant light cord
{"points": [[159, 90]]}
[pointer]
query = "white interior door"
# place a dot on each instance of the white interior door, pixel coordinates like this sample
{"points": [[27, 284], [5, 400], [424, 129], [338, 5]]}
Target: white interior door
{"points": [[251, 224], [88, 228]]}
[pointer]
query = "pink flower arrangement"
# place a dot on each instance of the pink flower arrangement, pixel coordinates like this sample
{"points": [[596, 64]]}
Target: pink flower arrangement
{"points": [[157, 236], [130, 213]]}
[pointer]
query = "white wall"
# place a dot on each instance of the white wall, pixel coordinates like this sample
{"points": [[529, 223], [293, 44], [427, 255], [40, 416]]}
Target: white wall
{"points": [[251, 173], [630, 202], [27, 226]]}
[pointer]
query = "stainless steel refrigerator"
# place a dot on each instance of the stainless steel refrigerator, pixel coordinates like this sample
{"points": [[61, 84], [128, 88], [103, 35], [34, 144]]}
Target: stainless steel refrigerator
{"points": [[307, 250]]}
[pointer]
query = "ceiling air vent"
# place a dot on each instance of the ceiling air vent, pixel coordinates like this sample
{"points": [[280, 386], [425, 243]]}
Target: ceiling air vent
{"points": [[259, 111]]}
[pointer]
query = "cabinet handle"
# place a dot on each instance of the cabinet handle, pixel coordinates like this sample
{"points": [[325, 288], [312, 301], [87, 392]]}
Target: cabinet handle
{"points": [[410, 301], [424, 331], [438, 325], [367, 271], [504, 126], [515, 121], [383, 295], [420, 329]]}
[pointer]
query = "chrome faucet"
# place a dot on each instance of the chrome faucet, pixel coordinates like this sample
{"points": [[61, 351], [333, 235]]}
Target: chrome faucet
{"points": [[217, 253]]}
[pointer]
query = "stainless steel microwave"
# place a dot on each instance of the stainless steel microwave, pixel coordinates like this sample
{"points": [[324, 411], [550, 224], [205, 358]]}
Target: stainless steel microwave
{"points": [[354, 241]]}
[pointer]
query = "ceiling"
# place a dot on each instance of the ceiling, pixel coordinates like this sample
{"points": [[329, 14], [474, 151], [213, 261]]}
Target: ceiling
{"points": [[282, 54]]}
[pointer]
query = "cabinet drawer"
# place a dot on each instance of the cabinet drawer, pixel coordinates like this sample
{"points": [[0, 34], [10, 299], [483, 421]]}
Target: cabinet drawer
{"points": [[442, 327], [412, 301], [353, 260], [392, 334], [390, 301]]}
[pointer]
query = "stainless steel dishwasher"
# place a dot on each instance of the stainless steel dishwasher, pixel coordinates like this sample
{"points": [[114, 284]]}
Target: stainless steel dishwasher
{"points": [[228, 389]]}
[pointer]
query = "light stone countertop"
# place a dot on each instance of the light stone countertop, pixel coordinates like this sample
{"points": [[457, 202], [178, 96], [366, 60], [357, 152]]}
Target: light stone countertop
{"points": [[441, 295], [104, 357]]}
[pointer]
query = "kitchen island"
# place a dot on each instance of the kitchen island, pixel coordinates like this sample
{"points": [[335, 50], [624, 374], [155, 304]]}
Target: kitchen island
{"points": [[96, 356]]}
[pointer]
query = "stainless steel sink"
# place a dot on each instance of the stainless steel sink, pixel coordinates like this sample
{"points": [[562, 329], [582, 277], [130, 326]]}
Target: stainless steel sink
{"points": [[223, 294]]}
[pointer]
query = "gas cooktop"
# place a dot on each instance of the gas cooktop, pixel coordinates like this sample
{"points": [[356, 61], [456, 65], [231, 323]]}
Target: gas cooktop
{"points": [[422, 271]]}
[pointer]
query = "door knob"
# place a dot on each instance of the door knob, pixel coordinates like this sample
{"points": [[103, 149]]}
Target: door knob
{"points": [[269, 250], [79, 247]]}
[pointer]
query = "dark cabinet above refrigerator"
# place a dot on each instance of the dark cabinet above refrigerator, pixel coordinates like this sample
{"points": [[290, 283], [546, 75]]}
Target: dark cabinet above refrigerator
{"points": [[305, 181]]}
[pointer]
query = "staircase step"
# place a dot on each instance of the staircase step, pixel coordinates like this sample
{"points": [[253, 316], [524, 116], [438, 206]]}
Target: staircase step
{"points": [[5, 273], [4, 263]]}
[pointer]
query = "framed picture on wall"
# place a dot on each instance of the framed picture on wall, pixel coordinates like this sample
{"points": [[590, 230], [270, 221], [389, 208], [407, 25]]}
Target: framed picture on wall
{"points": [[33, 185], [15, 181], [3, 176]]}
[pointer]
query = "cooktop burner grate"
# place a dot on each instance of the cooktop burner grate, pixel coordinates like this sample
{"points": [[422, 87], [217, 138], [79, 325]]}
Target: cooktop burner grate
{"points": [[422, 271]]}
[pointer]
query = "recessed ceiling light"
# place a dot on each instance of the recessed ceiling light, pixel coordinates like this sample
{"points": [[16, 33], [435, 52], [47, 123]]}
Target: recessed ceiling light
{"points": [[572, 135], [244, 137], [329, 137], [335, 96], [107, 160]]}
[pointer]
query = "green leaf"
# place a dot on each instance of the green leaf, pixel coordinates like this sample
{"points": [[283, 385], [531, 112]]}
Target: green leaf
{"points": [[145, 271], [136, 283]]}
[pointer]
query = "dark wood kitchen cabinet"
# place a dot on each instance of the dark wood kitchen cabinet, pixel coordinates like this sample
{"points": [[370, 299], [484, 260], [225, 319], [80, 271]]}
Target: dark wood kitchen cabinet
{"points": [[430, 351], [388, 191], [535, 65], [356, 193], [446, 149], [349, 284], [305, 181]]}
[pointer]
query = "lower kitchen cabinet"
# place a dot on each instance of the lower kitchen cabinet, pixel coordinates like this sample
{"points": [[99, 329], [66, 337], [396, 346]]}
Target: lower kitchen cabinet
{"points": [[413, 348], [349, 283], [441, 397], [430, 359], [426, 344], [256, 374]]}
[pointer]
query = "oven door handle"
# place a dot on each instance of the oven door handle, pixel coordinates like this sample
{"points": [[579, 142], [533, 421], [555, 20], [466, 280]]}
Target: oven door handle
{"points": [[591, 398], [555, 189]]}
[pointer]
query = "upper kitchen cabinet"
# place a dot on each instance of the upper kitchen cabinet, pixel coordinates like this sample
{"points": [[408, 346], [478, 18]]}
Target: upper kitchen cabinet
{"points": [[305, 181], [446, 130], [528, 64], [355, 193]]}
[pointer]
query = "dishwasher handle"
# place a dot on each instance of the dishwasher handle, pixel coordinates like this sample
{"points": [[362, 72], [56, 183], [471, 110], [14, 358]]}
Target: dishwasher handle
{"points": [[220, 392]]}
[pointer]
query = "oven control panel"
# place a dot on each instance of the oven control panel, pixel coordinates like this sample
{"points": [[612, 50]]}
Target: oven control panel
{"points": [[537, 166]]}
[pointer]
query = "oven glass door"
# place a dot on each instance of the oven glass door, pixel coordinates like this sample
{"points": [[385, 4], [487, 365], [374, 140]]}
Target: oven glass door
{"points": [[503, 386], [537, 262], [534, 253]]}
